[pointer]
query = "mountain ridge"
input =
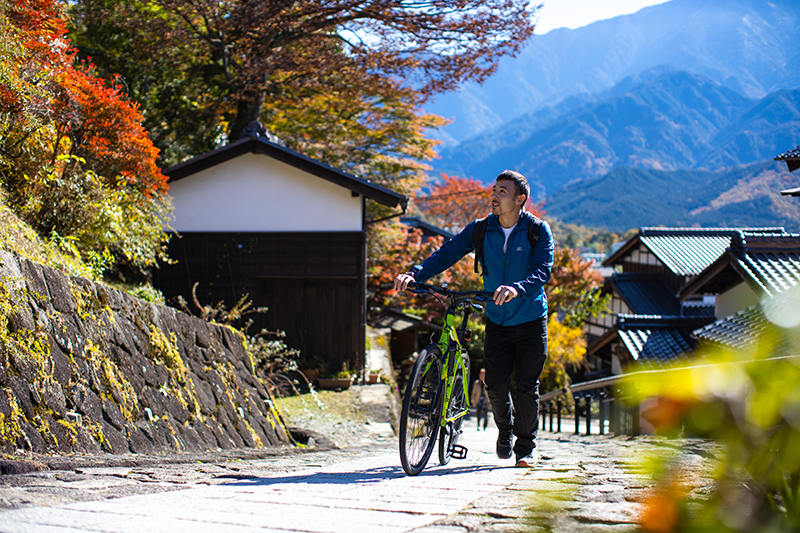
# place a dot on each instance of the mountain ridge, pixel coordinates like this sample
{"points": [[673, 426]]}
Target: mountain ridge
{"points": [[661, 120], [747, 45]]}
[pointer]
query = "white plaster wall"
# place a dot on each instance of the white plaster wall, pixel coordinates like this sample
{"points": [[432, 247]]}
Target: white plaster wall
{"points": [[254, 192], [735, 299]]}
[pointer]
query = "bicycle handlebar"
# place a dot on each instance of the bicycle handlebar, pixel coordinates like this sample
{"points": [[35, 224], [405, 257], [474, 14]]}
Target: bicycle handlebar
{"points": [[424, 287]]}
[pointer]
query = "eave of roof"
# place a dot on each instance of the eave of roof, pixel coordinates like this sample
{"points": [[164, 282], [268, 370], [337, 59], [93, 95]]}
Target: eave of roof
{"points": [[744, 330], [792, 158], [768, 264], [792, 192], [416, 222], [688, 251], [261, 145], [657, 348]]}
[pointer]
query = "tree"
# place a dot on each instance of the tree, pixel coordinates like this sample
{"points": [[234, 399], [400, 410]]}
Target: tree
{"points": [[254, 52], [75, 161], [454, 202]]}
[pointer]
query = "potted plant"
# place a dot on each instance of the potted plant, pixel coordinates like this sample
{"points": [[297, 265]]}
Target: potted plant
{"points": [[311, 369], [339, 381]]}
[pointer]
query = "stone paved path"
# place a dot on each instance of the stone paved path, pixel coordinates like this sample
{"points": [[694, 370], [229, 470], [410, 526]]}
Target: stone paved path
{"points": [[582, 483]]}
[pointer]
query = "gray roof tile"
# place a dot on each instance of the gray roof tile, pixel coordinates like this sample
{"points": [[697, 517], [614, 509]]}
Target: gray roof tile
{"points": [[646, 294], [688, 251], [774, 272], [743, 330], [789, 154], [657, 347]]}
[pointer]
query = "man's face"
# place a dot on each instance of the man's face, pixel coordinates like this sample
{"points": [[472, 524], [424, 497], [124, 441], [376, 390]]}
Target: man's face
{"points": [[505, 199]]}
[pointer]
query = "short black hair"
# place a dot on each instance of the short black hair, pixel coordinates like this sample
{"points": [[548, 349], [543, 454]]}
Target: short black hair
{"points": [[520, 182]]}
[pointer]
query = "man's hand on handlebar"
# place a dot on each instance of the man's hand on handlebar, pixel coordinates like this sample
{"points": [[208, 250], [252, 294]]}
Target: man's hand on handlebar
{"points": [[401, 281], [503, 294]]}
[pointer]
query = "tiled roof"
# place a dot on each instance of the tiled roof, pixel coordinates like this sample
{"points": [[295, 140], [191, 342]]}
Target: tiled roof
{"points": [[792, 158], [427, 229], [657, 341], [706, 310], [790, 154], [773, 272], [657, 347], [688, 251], [743, 330], [646, 294]]}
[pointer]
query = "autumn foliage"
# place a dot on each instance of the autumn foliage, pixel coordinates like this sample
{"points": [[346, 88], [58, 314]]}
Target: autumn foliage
{"points": [[254, 54], [75, 161]]}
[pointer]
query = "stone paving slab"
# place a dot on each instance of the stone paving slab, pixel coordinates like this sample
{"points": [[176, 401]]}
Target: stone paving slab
{"points": [[583, 484]]}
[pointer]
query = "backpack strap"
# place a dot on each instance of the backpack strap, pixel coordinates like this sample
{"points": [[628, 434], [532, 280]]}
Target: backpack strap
{"points": [[478, 233], [534, 230]]}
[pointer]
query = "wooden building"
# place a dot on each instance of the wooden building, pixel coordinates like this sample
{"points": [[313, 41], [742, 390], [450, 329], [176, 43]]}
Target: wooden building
{"points": [[650, 320], [256, 218]]}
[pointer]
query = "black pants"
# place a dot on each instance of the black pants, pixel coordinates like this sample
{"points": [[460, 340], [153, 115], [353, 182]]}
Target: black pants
{"points": [[520, 350]]}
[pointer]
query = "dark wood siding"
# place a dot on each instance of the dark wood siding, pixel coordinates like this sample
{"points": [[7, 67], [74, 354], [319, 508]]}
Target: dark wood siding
{"points": [[673, 281], [312, 283]]}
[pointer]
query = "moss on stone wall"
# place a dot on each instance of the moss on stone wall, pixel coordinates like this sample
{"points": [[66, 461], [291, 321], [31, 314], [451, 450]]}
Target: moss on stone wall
{"points": [[86, 368]]}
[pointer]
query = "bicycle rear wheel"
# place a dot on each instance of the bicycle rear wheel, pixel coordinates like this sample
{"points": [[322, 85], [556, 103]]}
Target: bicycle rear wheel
{"points": [[448, 436], [419, 419]]}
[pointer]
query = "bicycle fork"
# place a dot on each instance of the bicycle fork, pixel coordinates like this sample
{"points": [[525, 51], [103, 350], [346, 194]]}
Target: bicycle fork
{"points": [[449, 416]]}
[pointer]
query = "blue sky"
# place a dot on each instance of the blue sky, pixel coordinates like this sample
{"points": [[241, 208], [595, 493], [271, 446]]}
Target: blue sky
{"points": [[577, 13]]}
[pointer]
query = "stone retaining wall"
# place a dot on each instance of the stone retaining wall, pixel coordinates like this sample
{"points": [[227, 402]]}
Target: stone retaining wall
{"points": [[86, 368]]}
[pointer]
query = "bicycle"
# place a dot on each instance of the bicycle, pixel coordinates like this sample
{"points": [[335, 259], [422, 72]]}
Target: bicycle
{"points": [[436, 397]]}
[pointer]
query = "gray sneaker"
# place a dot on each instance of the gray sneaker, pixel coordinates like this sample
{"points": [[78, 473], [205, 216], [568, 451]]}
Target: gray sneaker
{"points": [[528, 461]]}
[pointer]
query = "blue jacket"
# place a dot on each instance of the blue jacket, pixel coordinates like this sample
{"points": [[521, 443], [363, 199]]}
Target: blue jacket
{"points": [[520, 267]]}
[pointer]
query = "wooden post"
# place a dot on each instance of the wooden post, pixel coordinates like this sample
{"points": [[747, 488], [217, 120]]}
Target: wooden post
{"points": [[550, 408], [558, 411], [614, 416], [577, 414], [602, 406], [588, 415]]}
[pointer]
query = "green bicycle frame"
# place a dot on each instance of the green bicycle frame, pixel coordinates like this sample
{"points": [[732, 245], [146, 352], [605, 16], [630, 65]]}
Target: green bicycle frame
{"points": [[450, 344]]}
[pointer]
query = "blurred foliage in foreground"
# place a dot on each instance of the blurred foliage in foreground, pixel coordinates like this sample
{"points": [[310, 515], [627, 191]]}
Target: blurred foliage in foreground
{"points": [[748, 400]]}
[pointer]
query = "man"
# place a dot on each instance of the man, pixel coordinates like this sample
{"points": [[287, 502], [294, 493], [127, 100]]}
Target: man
{"points": [[478, 399], [516, 329]]}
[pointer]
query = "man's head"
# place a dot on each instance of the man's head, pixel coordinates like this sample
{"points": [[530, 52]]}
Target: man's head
{"points": [[510, 192], [520, 183]]}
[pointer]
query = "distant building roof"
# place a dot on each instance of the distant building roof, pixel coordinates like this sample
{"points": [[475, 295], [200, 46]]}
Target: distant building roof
{"points": [[792, 158], [398, 320], [746, 329], [657, 341], [769, 263], [428, 230], [646, 294], [685, 251], [258, 140]]}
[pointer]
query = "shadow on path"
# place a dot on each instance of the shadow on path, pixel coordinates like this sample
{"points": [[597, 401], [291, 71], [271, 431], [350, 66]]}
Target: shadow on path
{"points": [[371, 475]]}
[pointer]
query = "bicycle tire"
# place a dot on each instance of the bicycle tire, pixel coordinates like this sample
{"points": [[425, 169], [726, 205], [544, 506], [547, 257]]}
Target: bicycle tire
{"points": [[448, 434], [419, 419]]}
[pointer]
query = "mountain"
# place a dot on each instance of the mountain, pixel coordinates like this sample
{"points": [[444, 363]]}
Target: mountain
{"points": [[750, 46], [657, 120], [628, 198]]}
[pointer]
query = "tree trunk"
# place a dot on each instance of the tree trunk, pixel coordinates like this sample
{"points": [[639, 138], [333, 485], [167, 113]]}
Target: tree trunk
{"points": [[248, 109]]}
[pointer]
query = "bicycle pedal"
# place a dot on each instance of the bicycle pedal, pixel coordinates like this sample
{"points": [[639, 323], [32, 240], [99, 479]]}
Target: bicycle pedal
{"points": [[459, 452]]}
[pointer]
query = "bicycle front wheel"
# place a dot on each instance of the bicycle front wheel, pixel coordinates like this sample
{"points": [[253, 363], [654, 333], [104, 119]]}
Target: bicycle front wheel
{"points": [[458, 402], [419, 419]]}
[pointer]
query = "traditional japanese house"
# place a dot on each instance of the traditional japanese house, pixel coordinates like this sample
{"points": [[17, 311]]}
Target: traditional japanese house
{"points": [[256, 218]]}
